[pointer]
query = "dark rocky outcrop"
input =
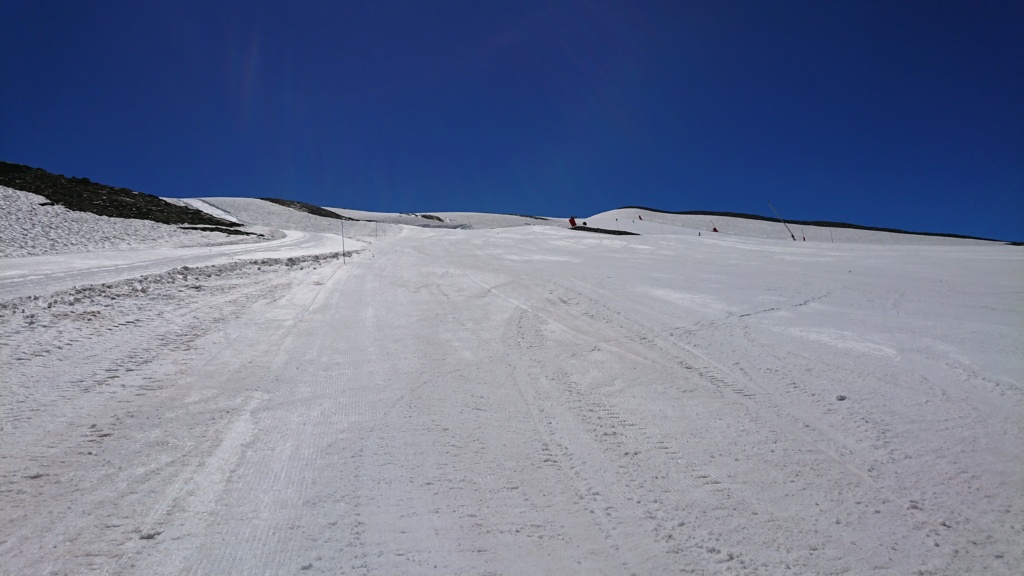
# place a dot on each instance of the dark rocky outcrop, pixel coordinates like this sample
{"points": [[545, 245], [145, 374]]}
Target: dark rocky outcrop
{"points": [[221, 229], [604, 231], [84, 195], [308, 208]]}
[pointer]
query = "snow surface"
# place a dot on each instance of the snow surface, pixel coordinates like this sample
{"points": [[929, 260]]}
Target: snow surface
{"points": [[461, 220], [270, 214], [204, 206], [648, 222], [511, 400], [28, 229]]}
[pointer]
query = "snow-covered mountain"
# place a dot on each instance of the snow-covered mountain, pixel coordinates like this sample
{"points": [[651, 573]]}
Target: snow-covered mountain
{"points": [[470, 393]]}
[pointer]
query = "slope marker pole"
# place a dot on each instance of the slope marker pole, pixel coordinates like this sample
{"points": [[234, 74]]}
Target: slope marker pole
{"points": [[344, 259], [791, 235]]}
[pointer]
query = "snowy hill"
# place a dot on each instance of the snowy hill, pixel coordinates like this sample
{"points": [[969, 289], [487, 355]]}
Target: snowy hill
{"points": [[499, 394], [644, 221]]}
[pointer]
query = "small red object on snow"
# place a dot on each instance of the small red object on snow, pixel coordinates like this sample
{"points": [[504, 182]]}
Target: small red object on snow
{"points": [[572, 221], [714, 229]]}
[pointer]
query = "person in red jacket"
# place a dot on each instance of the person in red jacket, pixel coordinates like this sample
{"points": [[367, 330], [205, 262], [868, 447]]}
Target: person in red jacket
{"points": [[572, 221]]}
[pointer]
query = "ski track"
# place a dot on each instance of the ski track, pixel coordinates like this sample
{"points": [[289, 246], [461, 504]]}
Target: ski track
{"points": [[451, 403], [49, 273]]}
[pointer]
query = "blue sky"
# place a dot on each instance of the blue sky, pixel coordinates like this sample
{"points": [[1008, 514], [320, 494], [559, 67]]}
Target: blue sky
{"points": [[898, 114]]}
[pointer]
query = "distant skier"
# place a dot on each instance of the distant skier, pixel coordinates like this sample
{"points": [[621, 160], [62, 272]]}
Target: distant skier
{"points": [[572, 221]]}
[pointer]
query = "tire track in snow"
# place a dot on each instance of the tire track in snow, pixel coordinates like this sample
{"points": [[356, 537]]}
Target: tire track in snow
{"points": [[852, 498], [210, 519], [266, 525], [768, 519], [123, 367], [703, 478], [605, 442], [443, 487], [716, 374], [157, 334], [574, 450], [375, 331], [44, 274]]}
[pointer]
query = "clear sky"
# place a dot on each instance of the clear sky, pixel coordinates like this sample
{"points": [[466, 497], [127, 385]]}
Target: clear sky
{"points": [[887, 113]]}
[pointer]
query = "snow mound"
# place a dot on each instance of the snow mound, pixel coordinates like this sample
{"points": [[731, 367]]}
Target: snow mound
{"points": [[28, 228]]}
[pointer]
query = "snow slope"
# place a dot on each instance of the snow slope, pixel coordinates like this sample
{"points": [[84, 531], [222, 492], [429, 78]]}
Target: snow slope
{"points": [[522, 400], [648, 222], [269, 214], [205, 206], [60, 248], [29, 229], [461, 220]]}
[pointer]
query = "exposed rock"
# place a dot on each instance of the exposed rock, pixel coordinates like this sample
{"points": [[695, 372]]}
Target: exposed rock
{"points": [[84, 195], [308, 208]]}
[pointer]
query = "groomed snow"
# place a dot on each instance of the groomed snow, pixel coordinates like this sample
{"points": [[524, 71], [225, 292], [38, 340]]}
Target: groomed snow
{"points": [[514, 400]]}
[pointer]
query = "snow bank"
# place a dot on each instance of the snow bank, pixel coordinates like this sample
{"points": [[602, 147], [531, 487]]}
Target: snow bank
{"points": [[27, 228]]}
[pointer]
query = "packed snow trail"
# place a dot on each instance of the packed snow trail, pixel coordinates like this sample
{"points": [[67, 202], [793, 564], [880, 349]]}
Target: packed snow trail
{"points": [[544, 401], [49, 273]]}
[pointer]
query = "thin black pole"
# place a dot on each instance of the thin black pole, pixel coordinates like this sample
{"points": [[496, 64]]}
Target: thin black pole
{"points": [[791, 235]]}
